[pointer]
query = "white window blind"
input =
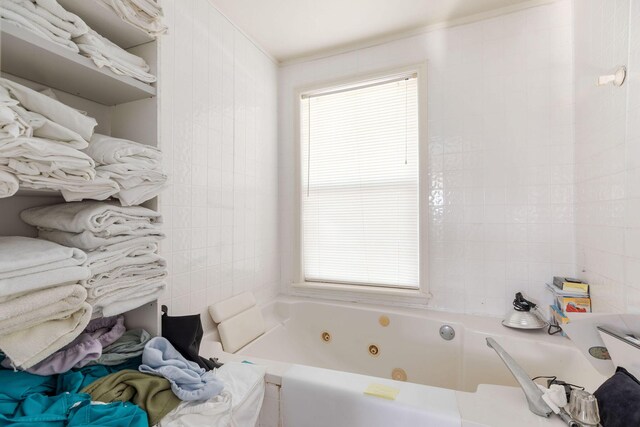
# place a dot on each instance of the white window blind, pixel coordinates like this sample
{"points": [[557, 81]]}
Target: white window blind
{"points": [[360, 184]]}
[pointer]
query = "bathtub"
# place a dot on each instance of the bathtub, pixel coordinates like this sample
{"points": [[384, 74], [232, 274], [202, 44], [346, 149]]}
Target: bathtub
{"points": [[406, 345]]}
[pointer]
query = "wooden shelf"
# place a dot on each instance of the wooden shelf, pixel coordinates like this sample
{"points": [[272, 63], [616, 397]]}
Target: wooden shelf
{"points": [[106, 22], [27, 55]]}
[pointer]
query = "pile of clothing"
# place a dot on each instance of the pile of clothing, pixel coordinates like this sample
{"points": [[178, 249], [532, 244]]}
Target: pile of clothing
{"points": [[143, 14], [43, 307], [135, 167], [152, 384], [51, 21], [121, 244], [45, 151]]}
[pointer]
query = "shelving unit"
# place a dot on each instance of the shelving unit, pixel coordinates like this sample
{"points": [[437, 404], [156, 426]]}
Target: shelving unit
{"points": [[123, 106], [34, 58]]}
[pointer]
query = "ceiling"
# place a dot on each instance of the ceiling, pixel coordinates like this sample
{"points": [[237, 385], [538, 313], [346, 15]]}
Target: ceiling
{"points": [[289, 29]]}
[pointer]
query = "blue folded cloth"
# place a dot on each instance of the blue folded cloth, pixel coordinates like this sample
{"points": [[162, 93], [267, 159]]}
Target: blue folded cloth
{"points": [[188, 380]]}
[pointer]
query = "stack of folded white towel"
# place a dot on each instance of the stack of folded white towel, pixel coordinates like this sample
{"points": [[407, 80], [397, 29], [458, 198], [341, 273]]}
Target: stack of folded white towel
{"points": [[46, 153], [121, 245], [104, 53], [144, 14], [137, 168], [46, 18], [42, 304], [51, 21]]}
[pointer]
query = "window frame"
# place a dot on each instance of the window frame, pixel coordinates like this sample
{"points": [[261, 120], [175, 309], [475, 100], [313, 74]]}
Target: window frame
{"points": [[369, 293]]}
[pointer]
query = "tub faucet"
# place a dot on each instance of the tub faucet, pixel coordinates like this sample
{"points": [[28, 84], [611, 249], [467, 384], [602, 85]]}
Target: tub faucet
{"points": [[530, 389]]}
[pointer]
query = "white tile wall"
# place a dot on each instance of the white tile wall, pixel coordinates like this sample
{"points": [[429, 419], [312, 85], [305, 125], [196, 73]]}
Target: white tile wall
{"points": [[219, 135], [501, 154], [608, 153]]}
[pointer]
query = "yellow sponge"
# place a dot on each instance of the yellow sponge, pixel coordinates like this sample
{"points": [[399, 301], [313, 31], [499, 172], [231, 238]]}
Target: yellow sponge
{"points": [[383, 391]]}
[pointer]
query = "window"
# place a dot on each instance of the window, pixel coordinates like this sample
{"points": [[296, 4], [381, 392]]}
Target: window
{"points": [[359, 183]]}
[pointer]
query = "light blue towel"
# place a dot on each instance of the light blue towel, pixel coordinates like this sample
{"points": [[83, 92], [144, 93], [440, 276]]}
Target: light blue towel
{"points": [[188, 380]]}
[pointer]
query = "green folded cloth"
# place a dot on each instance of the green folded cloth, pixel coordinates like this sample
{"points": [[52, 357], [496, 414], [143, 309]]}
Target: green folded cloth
{"points": [[151, 393]]}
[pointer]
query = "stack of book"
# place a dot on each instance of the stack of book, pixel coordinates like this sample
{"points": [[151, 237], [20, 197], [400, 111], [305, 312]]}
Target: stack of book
{"points": [[569, 296]]}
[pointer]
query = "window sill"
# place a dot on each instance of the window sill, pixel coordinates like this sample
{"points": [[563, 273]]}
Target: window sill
{"points": [[361, 294]]}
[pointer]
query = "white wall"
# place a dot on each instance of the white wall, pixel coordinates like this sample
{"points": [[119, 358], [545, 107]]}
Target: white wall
{"points": [[500, 129], [608, 153], [218, 133]]}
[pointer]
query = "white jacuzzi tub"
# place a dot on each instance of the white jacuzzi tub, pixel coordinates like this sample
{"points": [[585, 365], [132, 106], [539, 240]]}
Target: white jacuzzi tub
{"points": [[339, 336]]}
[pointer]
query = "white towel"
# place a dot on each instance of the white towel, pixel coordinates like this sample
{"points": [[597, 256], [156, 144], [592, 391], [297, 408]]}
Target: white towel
{"points": [[28, 264], [103, 219], [122, 280], [134, 251], [128, 268], [135, 167], [97, 189], [105, 53], [134, 189], [239, 403], [60, 17], [10, 17], [26, 310], [37, 157], [32, 344], [37, 15], [136, 297], [144, 14], [11, 124], [50, 108], [108, 150], [8, 184], [42, 127], [88, 241]]}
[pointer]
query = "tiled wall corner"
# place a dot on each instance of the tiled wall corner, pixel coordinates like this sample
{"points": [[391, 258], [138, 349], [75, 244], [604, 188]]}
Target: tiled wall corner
{"points": [[219, 138], [500, 129], [608, 153]]}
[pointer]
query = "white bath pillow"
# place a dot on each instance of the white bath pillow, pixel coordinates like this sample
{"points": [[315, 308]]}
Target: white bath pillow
{"points": [[228, 308], [240, 330]]}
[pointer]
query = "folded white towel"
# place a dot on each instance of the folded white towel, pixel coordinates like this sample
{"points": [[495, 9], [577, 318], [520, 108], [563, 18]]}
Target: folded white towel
{"points": [[10, 17], [25, 310], [105, 53], [134, 251], [97, 189], [11, 124], [36, 15], [135, 167], [50, 108], [120, 281], [124, 302], [28, 264], [8, 184], [60, 17], [37, 158], [89, 241], [51, 319], [140, 265], [144, 14], [42, 127], [108, 150], [103, 219]]}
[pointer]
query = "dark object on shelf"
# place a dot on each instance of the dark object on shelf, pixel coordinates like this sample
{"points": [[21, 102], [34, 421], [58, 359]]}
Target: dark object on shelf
{"points": [[185, 334]]}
